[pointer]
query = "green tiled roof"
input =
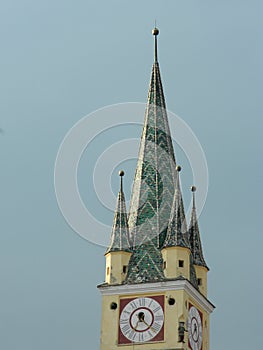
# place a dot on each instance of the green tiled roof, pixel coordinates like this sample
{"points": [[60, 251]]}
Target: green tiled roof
{"points": [[120, 231], [193, 278], [156, 215], [146, 264], [177, 234], [153, 187], [194, 238]]}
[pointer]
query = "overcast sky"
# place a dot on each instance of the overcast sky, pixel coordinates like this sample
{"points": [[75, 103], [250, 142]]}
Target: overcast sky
{"points": [[62, 60]]}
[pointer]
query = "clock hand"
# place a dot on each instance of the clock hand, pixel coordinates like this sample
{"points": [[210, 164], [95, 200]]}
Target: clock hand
{"points": [[135, 328], [154, 330], [145, 323], [140, 316]]}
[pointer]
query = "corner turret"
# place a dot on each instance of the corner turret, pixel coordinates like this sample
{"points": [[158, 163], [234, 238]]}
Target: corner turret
{"points": [[199, 263], [176, 249], [119, 252]]}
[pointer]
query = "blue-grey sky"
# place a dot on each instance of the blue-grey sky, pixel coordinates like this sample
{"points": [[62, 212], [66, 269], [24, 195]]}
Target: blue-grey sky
{"points": [[61, 60]]}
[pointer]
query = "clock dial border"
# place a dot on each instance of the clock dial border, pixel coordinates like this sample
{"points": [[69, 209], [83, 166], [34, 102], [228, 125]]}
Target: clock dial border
{"points": [[122, 340], [196, 347]]}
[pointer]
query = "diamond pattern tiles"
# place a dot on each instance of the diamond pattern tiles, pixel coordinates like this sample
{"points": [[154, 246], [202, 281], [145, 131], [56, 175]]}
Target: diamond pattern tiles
{"points": [[120, 231], [153, 188], [146, 264], [193, 278], [177, 234], [194, 238]]}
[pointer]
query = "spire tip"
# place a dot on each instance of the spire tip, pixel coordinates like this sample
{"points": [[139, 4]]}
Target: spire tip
{"points": [[155, 31], [178, 168], [121, 174]]}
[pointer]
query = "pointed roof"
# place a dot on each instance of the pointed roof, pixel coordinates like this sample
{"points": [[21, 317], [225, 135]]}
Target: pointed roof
{"points": [[177, 235], [194, 236], [145, 265], [153, 186], [120, 230], [193, 277]]}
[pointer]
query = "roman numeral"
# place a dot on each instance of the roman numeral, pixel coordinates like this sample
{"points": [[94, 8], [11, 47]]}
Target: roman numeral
{"points": [[141, 337], [124, 321], [133, 304], [156, 327], [150, 334], [157, 309], [150, 303], [159, 318], [132, 335], [126, 329], [142, 302]]}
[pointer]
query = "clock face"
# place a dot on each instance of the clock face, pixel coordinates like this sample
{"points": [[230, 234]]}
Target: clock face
{"points": [[141, 320], [195, 330]]}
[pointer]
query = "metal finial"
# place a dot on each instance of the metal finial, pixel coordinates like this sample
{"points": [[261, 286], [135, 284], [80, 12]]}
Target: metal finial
{"points": [[177, 181], [121, 174], [193, 189], [155, 32], [178, 168]]}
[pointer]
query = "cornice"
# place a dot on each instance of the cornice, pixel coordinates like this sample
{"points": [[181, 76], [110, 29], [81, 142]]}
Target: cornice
{"points": [[164, 286]]}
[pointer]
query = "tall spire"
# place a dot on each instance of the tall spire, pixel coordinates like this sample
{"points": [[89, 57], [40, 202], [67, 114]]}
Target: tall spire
{"points": [[153, 186], [194, 236], [177, 235], [120, 231]]}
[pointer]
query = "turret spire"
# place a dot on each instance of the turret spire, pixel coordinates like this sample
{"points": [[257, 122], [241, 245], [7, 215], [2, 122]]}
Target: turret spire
{"points": [[194, 236], [120, 230], [177, 235]]}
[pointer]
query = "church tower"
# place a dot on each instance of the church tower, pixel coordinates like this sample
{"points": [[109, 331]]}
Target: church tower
{"points": [[155, 290]]}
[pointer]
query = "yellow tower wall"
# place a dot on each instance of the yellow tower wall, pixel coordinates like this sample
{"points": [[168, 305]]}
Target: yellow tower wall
{"points": [[115, 267], [110, 323], [201, 274], [173, 314], [171, 257]]}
